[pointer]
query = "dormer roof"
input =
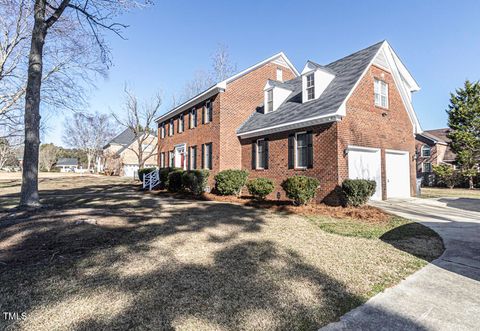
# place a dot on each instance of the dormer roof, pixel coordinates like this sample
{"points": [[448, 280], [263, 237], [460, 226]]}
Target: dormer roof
{"points": [[330, 105]]}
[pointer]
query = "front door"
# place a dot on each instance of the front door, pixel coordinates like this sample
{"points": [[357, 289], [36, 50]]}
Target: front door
{"points": [[180, 157]]}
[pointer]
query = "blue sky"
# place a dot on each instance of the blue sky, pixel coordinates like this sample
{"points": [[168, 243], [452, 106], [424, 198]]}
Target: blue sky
{"points": [[438, 41]]}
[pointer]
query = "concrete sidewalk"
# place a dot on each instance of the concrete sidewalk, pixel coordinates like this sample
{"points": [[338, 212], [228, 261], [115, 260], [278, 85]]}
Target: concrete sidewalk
{"points": [[445, 295]]}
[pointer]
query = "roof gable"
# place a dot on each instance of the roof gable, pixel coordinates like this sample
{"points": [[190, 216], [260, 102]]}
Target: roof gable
{"points": [[331, 104]]}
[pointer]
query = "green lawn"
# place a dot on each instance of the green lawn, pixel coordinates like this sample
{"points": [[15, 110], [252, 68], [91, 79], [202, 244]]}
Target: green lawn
{"points": [[437, 192]]}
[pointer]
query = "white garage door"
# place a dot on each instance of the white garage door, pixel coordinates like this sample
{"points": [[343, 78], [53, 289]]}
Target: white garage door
{"points": [[397, 168], [365, 163], [129, 170]]}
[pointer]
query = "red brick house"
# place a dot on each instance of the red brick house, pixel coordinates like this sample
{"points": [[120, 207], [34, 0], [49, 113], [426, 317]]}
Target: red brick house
{"points": [[352, 118]]}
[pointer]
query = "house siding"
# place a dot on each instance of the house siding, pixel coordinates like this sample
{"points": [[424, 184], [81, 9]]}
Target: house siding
{"points": [[370, 126], [241, 98], [324, 160], [230, 109], [363, 125]]}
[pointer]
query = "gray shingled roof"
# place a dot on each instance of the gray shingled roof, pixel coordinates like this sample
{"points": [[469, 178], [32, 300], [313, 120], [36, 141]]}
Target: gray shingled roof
{"points": [[347, 72], [67, 162], [126, 137]]}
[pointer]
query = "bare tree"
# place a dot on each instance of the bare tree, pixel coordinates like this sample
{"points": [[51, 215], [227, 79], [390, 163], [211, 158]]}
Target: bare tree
{"points": [[48, 156], [221, 68], [92, 17], [140, 119], [6, 152], [89, 133]]}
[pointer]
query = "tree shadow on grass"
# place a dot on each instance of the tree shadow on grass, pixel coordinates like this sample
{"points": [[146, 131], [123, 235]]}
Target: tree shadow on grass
{"points": [[163, 260]]}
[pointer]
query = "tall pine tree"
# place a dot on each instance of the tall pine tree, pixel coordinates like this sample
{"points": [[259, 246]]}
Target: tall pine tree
{"points": [[464, 120]]}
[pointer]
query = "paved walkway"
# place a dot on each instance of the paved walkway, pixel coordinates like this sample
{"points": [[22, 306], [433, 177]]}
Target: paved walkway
{"points": [[445, 295]]}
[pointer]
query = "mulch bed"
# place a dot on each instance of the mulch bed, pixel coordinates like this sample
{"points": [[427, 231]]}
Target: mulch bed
{"points": [[364, 213]]}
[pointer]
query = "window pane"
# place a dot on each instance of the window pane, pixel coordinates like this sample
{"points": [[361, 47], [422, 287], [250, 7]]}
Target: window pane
{"points": [[261, 154], [301, 150]]}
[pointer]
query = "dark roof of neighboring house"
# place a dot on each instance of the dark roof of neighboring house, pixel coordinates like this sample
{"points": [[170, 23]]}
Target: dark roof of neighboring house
{"points": [[126, 137], [347, 72], [67, 162]]}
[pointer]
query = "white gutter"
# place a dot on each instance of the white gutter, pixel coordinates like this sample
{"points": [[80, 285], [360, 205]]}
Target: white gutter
{"points": [[291, 125]]}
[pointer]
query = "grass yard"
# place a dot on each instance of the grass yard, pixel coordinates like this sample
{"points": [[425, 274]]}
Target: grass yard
{"points": [[102, 255], [437, 192]]}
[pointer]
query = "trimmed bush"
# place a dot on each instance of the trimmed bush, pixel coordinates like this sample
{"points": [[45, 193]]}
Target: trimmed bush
{"points": [[230, 182], [301, 189], [195, 181], [259, 188], [163, 175], [358, 191], [144, 171], [175, 181]]}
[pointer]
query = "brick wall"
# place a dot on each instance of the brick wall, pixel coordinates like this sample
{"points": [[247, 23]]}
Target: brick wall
{"points": [[324, 160], [230, 109], [202, 134], [239, 101], [370, 126], [364, 125]]}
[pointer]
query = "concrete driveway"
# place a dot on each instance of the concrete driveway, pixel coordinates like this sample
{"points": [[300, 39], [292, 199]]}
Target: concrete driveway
{"points": [[445, 295]]}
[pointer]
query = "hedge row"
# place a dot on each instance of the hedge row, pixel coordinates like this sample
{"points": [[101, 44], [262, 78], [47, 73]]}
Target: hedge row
{"points": [[300, 189]]}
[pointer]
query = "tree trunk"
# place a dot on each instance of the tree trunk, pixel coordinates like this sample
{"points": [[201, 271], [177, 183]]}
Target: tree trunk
{"points": [[470, 183], [29, 192]]}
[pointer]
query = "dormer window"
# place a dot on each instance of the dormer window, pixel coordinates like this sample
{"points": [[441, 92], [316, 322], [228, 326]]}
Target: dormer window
{"points": [[310, 86], [269, 100]]}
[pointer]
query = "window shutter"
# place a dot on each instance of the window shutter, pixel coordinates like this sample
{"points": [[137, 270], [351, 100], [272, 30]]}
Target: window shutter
{"points": [[203, 115], [210, 112], [265, 153], [190, 119], [178, 125], [291, 154], [203, 156], [254, 155], [188, 159], [210, 157], [309, 149]]}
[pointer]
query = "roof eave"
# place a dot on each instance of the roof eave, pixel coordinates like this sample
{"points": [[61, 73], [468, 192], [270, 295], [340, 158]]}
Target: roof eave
{"points": [[335, 117]]}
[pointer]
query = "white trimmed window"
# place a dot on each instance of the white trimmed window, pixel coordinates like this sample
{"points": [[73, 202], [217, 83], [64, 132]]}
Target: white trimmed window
{"points": [[426, 151], [181, 123], [381, 93], [207, 156], [162, 130], [162, 160], [193, 118], [269, 100], [208, 112], [193, 158], [279, 74], [171, 157], [170, 128], [310, 86], [260, 154], [301, 150], [427, 167]]}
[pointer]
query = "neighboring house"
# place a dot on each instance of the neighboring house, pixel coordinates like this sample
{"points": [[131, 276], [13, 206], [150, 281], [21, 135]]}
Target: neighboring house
{"points": [[433, 148], [67, 164], [124, 146], [352, 118]]}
